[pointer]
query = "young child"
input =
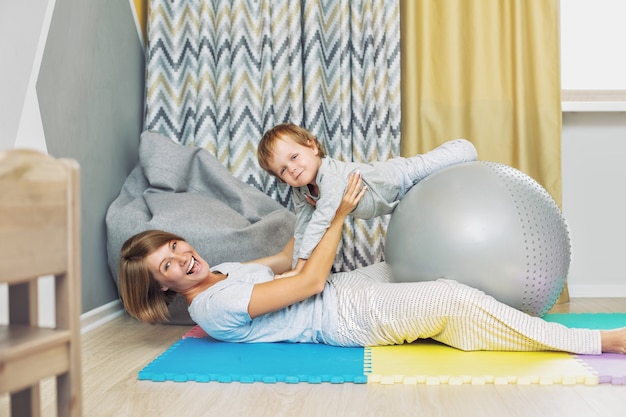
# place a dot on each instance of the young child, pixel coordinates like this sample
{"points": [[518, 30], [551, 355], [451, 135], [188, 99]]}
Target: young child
{"points": [[296, 157]]}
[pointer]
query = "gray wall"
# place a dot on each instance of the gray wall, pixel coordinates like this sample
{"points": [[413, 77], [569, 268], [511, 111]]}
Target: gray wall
{"points": [[593, 153], [90, 91]]}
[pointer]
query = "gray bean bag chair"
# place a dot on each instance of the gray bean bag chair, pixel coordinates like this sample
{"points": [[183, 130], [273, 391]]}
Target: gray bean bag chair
{"points": [[187, 191]]}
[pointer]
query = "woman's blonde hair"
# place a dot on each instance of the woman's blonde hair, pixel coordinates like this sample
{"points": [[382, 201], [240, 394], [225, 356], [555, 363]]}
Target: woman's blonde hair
{"points": [[265, 150], [141, 295]]}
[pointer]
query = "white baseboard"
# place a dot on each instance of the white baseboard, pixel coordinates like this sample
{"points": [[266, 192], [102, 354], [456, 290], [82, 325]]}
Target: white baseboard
{"points": [[601, 291], [101, 315]]}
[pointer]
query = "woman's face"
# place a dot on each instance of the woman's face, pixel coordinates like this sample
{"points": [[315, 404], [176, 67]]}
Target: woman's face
{"points": [[177, 266]]}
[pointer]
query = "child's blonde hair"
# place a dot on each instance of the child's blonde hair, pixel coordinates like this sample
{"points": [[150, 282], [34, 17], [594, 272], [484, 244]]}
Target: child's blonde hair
{"points": [[299, 135]]}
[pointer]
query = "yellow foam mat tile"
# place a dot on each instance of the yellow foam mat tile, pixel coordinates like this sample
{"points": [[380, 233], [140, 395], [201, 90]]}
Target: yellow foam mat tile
{"points": [[428, 362]]}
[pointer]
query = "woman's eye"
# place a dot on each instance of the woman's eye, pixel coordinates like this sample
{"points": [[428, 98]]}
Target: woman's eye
{"points": [[167, 266], [174, 245]]}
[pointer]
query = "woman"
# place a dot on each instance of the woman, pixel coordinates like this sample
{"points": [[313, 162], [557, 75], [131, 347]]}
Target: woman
{"points": [[242, 302]]}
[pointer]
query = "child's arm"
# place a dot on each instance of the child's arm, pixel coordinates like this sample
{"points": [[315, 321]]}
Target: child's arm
{"points": [[304, 211], [296, 269], [331, 190], [313, 218]]}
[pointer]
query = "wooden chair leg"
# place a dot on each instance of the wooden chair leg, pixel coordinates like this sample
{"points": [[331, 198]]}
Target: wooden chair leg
{"points": [[26, 403], [68, 404]]}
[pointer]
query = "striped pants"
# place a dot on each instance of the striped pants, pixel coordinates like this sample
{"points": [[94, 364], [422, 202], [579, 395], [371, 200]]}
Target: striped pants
{"points": [[374, 312]]}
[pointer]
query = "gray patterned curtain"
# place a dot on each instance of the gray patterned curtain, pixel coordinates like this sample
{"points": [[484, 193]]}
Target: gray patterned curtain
{"points": [[220, 73]]}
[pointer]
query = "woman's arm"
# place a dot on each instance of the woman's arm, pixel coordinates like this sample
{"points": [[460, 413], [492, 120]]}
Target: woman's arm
{"points": [[280, 262], [280, 293]]}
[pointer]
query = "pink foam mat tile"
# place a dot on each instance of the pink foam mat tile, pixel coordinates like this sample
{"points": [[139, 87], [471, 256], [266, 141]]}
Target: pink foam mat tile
{"points": [[196, 332]]}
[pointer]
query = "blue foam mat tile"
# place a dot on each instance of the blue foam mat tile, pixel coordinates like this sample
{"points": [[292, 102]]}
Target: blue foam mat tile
{"points": [[206, 360]]}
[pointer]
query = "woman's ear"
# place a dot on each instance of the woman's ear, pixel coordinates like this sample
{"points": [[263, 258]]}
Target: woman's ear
{"points": [[164, 288]]}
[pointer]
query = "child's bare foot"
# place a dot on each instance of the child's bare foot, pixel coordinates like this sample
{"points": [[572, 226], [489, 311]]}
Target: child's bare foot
{"points": [[613, 341]]}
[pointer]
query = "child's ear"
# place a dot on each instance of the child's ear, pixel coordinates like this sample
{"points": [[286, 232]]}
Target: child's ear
{"points": [[313, 146]]}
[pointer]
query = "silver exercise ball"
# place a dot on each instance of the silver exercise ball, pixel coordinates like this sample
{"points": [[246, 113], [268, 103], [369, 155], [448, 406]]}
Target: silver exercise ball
{"points": [[486, 225]]}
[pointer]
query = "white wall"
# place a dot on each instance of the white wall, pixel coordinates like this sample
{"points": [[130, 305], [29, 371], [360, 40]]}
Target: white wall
{"points": [[26, 24], [594, 201], [72, 85], [592, 44]]}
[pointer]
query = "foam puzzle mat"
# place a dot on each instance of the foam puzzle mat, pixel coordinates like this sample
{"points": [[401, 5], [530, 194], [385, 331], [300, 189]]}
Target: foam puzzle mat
{"points": [[609, 367], [206, 360], [429, 362], [197, 357]]}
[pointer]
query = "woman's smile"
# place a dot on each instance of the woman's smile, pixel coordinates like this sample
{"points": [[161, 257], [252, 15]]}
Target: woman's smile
{"points": [[194, 266]]}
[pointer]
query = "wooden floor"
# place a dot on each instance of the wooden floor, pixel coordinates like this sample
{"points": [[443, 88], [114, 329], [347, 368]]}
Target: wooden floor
{"points": [[115, 352]]}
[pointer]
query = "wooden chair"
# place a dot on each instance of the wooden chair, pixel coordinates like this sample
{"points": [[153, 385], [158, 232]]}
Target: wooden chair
{"points": [[40, 235]]}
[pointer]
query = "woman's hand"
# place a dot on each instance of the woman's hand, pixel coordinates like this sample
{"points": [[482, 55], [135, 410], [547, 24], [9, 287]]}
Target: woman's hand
{"points": [[355, 190]]}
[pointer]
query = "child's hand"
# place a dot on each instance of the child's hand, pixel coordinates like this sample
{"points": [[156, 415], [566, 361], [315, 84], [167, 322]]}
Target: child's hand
{"points": [[286, 274], [295, 271], [310, 200]]}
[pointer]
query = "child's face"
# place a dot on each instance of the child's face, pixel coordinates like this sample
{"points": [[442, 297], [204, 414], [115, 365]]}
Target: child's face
{"points": [[295, 164]]}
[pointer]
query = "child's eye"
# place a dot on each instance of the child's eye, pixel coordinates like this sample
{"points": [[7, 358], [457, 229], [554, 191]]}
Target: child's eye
{"points": [[282, 171], [174, 245], [294, 156], [167, 266]]}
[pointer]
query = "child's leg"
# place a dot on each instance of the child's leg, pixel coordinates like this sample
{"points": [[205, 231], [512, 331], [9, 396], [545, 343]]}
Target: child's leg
{"points": [[450, 153], [390, 180]]}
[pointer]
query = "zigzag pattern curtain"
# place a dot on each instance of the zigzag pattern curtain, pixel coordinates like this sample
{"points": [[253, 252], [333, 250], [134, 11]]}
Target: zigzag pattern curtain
{"points": [[220, 73]]}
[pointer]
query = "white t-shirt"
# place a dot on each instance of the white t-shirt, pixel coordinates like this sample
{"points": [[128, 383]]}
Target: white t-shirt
{"points": [[222, 311]]}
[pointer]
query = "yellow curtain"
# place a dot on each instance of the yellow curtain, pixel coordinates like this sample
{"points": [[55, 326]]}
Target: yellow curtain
{"points": [[140, 12], [487, 71]]}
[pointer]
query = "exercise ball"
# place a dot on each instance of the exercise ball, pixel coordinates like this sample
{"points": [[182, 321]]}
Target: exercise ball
{"points": [[486, 225]]}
